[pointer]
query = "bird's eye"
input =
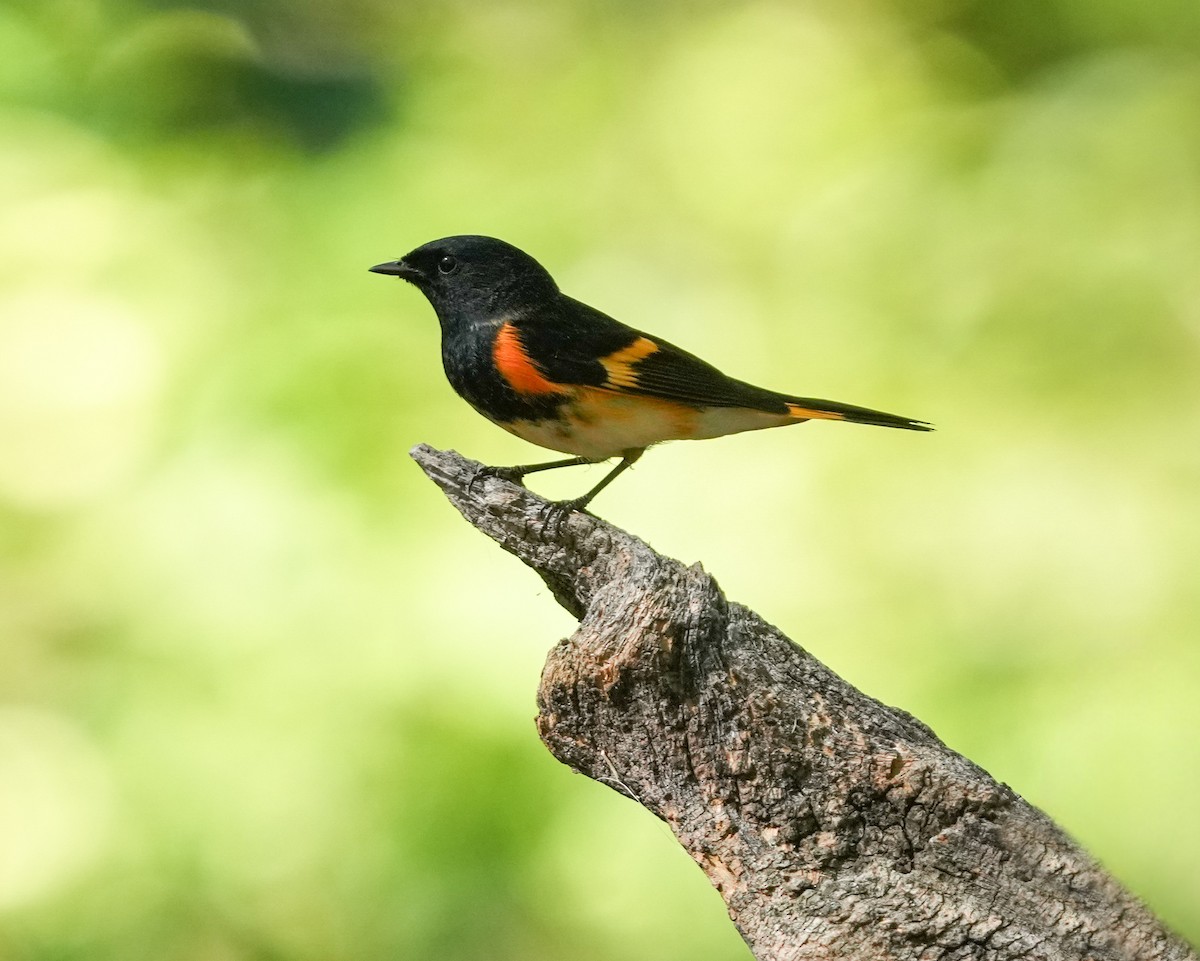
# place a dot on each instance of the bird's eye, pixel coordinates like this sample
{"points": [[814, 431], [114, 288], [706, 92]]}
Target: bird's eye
{"points": [[448, 264]]}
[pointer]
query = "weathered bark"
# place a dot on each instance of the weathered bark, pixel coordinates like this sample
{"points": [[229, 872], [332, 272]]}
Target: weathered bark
{"points": [[834, 827]]}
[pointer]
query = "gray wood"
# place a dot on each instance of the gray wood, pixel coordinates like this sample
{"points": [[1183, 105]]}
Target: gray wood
{"points": [[834, 826]]}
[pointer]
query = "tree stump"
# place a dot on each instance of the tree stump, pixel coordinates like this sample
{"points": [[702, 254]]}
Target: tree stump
{"points": [[834, 826]]}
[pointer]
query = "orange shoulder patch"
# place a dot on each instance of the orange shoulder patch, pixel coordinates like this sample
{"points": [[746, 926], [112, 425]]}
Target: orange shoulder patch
{"points": [[516, 366], [619, 364]]}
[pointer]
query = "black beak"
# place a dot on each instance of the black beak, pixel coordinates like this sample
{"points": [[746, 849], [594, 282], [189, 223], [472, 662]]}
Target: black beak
{"points": [[396, 268]]}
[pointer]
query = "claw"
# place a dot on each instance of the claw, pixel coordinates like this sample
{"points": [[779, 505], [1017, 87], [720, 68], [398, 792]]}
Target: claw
{"points": [[482, 472]]}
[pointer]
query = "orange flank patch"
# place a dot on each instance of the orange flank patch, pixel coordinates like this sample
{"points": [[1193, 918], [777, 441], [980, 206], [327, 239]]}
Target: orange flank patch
{"points": [[645, 420], [809, 413], [619, 364], [598, 422], [516, 366]]}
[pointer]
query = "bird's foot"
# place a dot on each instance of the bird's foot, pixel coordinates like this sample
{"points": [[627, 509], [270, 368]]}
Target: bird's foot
{"points": [[557, 512], [512, 474]]}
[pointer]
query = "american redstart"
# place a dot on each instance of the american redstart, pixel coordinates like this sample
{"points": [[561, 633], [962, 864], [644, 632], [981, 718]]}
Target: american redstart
{"points": [[561, 374]]}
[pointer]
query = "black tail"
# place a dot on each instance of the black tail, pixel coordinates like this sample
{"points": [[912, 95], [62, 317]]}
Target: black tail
{"points": [[805, 408]]}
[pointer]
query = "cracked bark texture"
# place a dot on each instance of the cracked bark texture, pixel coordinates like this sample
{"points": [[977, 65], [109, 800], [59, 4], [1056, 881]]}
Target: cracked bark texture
{"points": [[834, 826]]}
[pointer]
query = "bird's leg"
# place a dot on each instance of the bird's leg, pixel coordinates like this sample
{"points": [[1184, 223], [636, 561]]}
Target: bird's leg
{"points": [[627, 461], [515, 474], [559, 509]]}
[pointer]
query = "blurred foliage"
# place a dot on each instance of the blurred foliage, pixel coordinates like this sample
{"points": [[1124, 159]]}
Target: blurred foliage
{"points": [[266, 697]]}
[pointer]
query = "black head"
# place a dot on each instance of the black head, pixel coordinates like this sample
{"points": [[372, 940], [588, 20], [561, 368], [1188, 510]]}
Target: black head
{"points": [[474, 278]]}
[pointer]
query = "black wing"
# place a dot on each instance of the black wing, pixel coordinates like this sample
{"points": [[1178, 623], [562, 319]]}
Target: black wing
{"points": [[577, 344]]}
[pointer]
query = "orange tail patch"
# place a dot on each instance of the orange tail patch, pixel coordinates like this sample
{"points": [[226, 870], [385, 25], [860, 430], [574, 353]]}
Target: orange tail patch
{"points": [[810, 413]]}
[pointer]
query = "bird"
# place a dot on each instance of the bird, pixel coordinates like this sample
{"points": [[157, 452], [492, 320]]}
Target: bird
{"points": [[565, 376]]}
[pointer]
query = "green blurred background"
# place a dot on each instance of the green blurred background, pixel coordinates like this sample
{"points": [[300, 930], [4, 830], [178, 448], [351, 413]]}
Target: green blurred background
{"points": [[264, 695]]}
